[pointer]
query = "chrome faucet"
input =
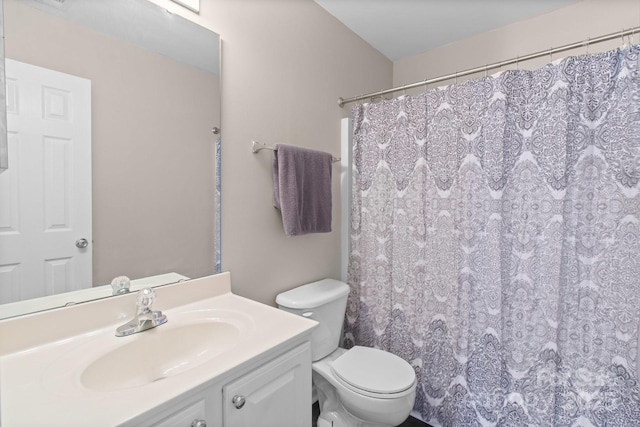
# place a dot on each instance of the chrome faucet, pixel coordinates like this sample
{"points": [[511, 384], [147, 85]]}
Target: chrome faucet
{"points": [[145, 317]]}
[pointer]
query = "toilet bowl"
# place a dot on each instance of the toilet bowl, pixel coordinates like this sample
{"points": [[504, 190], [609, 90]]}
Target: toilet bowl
{"points": [[359, 387], [384, 398]]}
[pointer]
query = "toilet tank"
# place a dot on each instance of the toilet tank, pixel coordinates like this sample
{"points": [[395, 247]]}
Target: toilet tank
{"points": [[324, 301]]}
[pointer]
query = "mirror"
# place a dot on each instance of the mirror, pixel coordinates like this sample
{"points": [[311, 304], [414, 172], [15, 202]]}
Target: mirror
{"points": [[142, 85]]}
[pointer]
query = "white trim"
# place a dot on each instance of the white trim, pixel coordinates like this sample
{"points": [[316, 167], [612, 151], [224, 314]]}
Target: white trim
{"points": [[345, 195], [192, 5]]}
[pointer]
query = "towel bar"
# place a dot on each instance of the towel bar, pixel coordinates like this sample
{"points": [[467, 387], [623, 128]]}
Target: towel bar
{"points": [[257, 146]]}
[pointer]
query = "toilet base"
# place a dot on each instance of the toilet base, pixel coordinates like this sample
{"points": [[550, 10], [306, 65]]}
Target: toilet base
{"points": [[332, 412]]}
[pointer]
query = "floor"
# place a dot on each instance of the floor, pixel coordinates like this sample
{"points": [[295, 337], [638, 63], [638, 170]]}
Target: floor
{"points": [[414, 422], [410, 422]]}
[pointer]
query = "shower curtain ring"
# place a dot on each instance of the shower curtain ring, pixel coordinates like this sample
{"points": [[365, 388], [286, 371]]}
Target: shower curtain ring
{"points": [[486, 71]]}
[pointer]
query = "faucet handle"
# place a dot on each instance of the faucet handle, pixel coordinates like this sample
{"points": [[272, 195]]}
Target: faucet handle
{"points": [[145, 299], [120, 285]]}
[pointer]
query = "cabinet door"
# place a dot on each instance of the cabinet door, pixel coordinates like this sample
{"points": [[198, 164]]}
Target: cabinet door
{"points": [[278, 394], [185, 417]]}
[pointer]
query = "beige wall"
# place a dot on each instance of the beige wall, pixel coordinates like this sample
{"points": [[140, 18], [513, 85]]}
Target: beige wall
{"points": [[153, 192], [581, 21], [284, 64]]}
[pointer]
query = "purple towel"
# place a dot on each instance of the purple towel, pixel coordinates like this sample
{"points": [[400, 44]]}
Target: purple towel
{"points": [[302, 189]]}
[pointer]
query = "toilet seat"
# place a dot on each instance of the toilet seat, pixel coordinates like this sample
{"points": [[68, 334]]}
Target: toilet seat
{"points": [[374, 373]]}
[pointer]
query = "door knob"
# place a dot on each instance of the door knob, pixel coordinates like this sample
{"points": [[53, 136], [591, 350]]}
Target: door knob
{"points": [[82, 243]]}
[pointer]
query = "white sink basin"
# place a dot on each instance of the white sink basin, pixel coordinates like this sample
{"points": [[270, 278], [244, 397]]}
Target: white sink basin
{"points": [[159, 353], [106, 363]]}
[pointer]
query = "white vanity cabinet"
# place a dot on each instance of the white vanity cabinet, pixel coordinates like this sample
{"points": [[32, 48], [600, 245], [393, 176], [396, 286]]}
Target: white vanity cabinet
{"points": [[274, 393], [221, 361]]}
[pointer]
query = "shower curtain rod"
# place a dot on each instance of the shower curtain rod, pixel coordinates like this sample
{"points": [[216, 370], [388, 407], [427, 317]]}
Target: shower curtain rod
{"points": [[622, 34]]}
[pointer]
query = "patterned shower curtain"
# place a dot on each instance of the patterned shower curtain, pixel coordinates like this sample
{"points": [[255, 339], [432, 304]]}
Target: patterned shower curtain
{"points": [[495, 243]]}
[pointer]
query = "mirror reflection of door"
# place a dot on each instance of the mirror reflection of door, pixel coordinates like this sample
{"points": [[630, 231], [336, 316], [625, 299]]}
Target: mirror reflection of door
{"points": [[45, 194]]}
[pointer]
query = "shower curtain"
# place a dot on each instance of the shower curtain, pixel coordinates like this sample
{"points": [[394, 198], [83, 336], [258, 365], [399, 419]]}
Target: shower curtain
{"points": [[495, 243]]}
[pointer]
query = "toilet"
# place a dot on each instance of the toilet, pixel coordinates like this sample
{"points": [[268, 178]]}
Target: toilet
{"points": [[359, 387]]}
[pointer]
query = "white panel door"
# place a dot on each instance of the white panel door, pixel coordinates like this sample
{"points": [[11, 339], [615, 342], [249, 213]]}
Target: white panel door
{"points": [[45, 194]]}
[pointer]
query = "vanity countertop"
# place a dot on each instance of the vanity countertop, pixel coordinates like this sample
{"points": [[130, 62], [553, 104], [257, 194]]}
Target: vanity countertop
{"points": [[41, 382]]}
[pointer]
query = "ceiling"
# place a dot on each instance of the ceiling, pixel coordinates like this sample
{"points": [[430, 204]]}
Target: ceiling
{"points": [[401, 28]]}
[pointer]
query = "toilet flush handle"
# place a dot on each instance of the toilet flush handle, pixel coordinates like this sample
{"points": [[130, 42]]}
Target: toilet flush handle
{"points": [[307, 314]]}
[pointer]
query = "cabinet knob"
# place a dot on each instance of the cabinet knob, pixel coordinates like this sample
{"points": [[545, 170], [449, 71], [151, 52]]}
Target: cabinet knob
{"points": [[238, 401], [199, 423]]}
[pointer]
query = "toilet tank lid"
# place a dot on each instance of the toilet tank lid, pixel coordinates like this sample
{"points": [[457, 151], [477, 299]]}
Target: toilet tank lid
{"points": [[313, 295]]}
